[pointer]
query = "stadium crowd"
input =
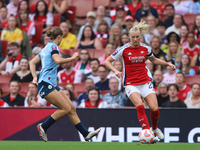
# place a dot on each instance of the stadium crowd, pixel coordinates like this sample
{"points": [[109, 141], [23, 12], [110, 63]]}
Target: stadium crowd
{"points": [[174, 37]]}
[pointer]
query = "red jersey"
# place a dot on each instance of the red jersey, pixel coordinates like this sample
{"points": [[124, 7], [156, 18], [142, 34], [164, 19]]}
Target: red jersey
{"points": [[133, 59], [28, 27], [132, 8], [74, 76], [113, 12], [160, 8], [182, 94], [88, 104], [191, 51], [4, 24]]}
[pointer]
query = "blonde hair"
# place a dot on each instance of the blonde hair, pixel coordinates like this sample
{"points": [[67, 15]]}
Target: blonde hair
{"points": [[142, 26], [178, 53]]}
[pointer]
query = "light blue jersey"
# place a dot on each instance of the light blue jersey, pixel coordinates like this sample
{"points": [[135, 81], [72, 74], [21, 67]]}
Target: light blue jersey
{"points": [[49, 67]]}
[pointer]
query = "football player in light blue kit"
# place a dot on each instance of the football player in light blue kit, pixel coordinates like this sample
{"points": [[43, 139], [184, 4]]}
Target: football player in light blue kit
{"points": [[48, 89]]}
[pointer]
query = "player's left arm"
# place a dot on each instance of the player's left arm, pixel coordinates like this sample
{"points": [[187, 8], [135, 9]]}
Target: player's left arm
{"points": [[157, 61]]}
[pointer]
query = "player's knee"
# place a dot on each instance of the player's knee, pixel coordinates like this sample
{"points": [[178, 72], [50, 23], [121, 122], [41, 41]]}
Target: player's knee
{"points": [[67, 110], [154, 108], [73, 108]]}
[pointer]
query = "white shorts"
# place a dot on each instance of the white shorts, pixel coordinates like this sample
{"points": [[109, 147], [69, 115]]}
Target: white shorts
{"points": [[143, 89]]}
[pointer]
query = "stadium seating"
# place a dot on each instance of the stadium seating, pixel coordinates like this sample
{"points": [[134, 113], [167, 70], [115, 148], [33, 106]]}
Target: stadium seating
{"points": [[189, 18], [104, 92], [196, 68], [71, 14], [189, 80], [98, 53], [104, 42], [4, 47], [5, 78], [56, 19], [79, 87], [69, 2], [105, 3]]}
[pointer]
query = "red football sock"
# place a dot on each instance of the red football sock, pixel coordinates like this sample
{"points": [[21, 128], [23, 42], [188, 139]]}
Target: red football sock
{"points": [[154, 118], [142, 117]]}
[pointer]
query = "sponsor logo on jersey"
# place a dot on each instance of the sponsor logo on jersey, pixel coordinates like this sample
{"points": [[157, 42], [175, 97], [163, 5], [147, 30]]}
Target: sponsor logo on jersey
{"points": [[129, 53], [114, 53], [54, 48]]}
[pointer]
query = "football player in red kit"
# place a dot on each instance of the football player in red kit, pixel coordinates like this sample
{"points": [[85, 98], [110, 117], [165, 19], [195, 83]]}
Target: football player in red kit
{"points": [[137, 81]]}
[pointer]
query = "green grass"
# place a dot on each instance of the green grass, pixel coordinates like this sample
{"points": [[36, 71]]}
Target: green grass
{"points": [[58, 145]]}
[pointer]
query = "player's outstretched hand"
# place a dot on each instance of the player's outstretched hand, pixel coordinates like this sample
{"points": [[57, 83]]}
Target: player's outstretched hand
{"points": [[119, 74], [34, 81], [75, 55], [172, 66]]}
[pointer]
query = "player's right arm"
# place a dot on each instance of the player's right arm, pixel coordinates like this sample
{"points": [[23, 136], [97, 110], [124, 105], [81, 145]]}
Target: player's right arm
{"points": [[59, 60], [108, 63], [33, 64]]}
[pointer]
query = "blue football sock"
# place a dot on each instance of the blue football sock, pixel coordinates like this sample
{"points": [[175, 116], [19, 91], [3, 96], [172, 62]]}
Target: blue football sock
{"points": [[48, 123], [81, 128]]}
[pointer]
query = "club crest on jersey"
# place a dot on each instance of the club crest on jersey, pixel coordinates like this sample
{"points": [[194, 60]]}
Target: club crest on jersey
{"points": [[142, 52], [129, 53]]}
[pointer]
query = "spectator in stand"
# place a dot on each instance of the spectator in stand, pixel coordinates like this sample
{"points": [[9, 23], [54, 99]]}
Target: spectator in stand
{"points": [[69, 74], [151, 67], [163, 95], [94, 100], [196, 27], [11, 63], [184, 66], [157, 79], [13, 33], [46, 39], [26, 25], [70, 86], [194, 101], [24, 74], [170, 12], [162, 68], [103, 84], [60, 7], [195, 60], [102, 31], [172, 36], [196, 7], [170, 75], [151, 20], [159, 6], [183, 88], [84, 62], [177, 20], [23, 5], [147, 9], [183, 7], [143, 16], [120, 16], [119, 66], [155, 45], [173, 101], [12, 7], [113, 11], [191, 48], [69, 39], [42, 15], [90, 17], [88, 84], [161, 30], [115, 98], [174, 52], [101, 15], [33, 99], [14, 98], [2, 3], [115, 33], [109, 49], [124, 39], [2, 103], [3, 17], [94, 65], [183, 33], [129, 23], [70, 95], [133, 6], [88, 40]]}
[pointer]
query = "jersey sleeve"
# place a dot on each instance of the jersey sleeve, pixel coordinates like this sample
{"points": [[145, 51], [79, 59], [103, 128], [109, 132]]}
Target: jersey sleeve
{"points": [[78, 77], [49, 20], [54, 49], [150, 53], [117, 54]]}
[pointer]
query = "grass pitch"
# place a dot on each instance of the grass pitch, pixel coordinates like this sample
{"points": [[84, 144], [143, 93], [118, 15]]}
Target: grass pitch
{"points": [[59, 145]]}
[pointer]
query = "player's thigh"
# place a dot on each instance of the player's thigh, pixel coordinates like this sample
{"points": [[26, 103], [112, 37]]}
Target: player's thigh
{"points": [[67, 99], [152, 102], [57, 100], [133, 93]]}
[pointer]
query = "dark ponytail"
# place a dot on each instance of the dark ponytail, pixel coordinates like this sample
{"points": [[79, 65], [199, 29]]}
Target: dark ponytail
{"points": [[54, 32]]}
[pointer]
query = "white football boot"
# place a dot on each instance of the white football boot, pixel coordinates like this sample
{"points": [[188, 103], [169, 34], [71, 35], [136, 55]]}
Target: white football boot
{"points": [[92, 134], [42, 133], [159, 133]]}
